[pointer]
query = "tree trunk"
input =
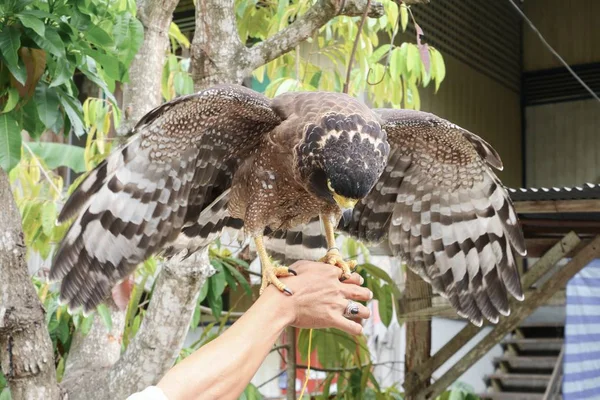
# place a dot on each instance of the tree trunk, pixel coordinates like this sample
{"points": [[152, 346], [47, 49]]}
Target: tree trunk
{"points": [[26, 353], [216, 47], [160, 338], [91, 357], [143, 92]]}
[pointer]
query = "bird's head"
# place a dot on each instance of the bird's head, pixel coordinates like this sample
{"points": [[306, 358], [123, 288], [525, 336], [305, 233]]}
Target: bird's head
{"points": [[342, 158]]}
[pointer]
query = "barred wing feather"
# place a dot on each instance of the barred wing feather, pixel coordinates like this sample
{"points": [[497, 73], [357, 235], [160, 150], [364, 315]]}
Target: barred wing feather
{"points": [[444, 211], [179, 161]]}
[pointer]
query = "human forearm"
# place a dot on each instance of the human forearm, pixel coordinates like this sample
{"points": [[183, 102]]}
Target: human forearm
{"points": [[223, 368]]}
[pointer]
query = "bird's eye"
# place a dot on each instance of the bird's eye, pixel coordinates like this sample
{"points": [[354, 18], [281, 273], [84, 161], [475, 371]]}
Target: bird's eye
{"points": [[329, 186]]}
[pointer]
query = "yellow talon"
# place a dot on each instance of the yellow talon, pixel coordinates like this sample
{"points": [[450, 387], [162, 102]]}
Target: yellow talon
{"points": [[334, 257], [270, 274]]}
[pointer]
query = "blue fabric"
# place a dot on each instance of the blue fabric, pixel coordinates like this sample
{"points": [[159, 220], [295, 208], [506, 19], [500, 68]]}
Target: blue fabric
{"points": [[582, 335]]}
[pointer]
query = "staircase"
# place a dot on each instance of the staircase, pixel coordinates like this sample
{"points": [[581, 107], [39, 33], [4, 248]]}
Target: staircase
{"points": [[527, 367]]}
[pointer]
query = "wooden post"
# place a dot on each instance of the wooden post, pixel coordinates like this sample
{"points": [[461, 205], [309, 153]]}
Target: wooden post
{"points": [[520, 311], [540, 268], [418, 332], [291, 362]]}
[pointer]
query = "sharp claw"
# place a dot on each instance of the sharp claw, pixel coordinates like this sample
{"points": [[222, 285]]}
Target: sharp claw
{"points": [[288, 291], [291, 271]]}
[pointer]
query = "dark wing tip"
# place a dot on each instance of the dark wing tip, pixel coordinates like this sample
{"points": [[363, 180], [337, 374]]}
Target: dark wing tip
{"points": [[484, 149]]}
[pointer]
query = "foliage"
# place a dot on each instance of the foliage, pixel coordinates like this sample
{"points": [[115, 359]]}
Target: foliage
{"points": [[42, 45], [388, 74], [176, 79]]}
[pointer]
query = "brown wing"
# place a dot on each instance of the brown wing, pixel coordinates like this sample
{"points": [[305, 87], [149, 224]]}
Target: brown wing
{"points": [[446, 213], [179, 161]]}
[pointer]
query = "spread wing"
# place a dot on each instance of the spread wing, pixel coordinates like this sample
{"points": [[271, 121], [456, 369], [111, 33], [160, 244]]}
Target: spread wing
{"points": [[179, 161], [446, 213]]}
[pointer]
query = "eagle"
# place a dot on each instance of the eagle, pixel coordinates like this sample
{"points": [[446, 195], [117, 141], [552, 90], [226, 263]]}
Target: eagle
{"points": [[229, 157]]}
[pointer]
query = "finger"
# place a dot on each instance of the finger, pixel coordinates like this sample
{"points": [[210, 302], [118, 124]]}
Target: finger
{"points": [[347, 325], [358, 293], [355, 279], [363, 311], [304, 266]]}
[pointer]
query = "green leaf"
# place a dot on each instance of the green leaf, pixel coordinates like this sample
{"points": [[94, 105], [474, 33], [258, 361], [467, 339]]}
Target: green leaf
{"points": [[60, 369], [183, 84], [47, 104], [51, 42], [215, 301], [239, 277], [176, 34], [413, 60], [403, 16], [379, 53], [5, 395], [86, 324], [61, 73], [92, 74], [129, 35], [110, 65], [327, 349], [231, 282], [105, 315], [217, 281], [386, 305], [74, 111], [99, 36], [63, 332], [381, 274], [203, 292], [40, 14], [10, 42], [32, 22], [48, 217], [12, 100], [438, 68], [10, 142], [30, 120], [57, 155], [251, 393]]}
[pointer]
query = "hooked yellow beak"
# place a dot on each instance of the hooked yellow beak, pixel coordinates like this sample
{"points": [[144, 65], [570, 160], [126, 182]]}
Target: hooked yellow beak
{"points": [[343, 202]]}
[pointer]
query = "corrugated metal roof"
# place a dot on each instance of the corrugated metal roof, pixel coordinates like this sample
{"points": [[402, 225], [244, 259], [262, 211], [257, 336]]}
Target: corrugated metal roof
{"points": [[583, 192]]}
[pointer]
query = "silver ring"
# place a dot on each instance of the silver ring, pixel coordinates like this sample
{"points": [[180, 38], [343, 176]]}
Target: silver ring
{"points": [[351, 309]]}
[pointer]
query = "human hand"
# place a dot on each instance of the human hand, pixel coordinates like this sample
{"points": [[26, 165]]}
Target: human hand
{"points": [[320, 299]]}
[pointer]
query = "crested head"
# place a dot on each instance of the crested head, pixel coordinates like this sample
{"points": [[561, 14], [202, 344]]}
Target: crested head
{"points": [[342, 157]]}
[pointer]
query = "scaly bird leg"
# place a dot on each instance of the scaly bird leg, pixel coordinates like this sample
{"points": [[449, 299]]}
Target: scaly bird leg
{"points": [[270, 272], [333, 255]]}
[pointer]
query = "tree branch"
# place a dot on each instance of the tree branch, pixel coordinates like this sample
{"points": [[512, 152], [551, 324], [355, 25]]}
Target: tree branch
{"points": [[303, 27], [355, 45], [26, 353], [91, 356], [158, 342]]}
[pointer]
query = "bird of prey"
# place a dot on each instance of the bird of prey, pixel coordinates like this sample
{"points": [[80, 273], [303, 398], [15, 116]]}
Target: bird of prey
{"points": [[231, 157]]}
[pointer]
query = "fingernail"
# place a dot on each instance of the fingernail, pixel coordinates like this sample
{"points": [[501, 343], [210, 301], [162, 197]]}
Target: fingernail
{"points": [[370, 295], [362, 280]]}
